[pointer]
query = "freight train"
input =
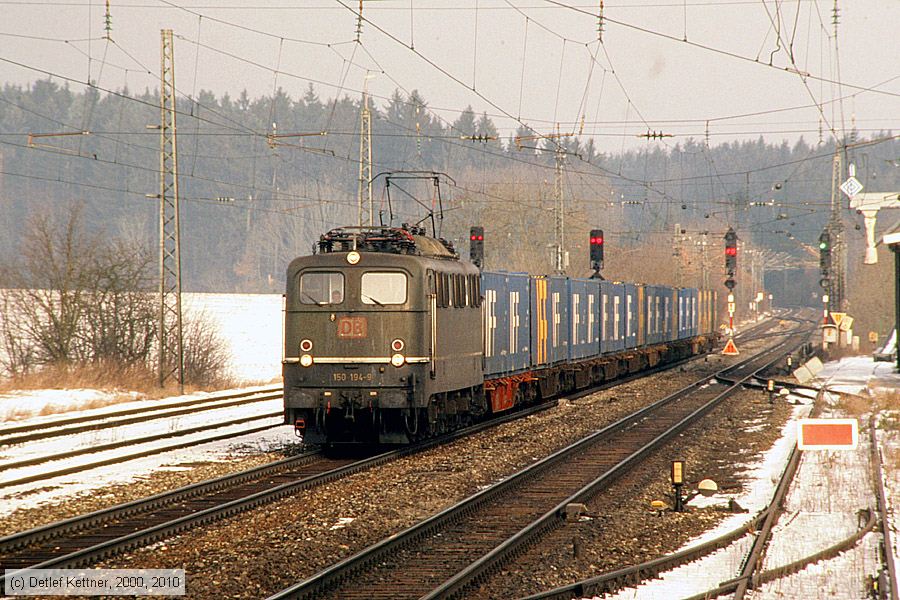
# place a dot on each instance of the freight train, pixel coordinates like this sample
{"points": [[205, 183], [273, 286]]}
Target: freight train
{"points": [[390, 338]]}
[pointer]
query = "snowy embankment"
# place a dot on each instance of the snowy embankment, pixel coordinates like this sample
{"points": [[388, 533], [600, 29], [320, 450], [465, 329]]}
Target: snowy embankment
{"points": [[821, 508], [251, 326], [39, 492]]}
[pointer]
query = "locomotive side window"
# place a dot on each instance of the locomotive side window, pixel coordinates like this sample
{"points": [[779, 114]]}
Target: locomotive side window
{"points": [[383, 288], [477, 289], [320, 287], [454, 286], [467, 292], [445, 289]]}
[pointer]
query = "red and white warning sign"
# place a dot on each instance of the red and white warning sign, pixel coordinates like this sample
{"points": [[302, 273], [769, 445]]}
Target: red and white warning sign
{"points": [[730, 349], [827, 434]]}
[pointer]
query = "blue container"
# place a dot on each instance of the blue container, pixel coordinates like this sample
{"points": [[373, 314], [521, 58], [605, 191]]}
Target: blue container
{"points": [[613, 319], [549, 320], [652, 299], [692, 322], [631, 315], [660, 309], [670, 311], [505, 309], [584, 296]]}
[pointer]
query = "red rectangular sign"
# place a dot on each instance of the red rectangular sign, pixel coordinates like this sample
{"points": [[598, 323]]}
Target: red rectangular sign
{"points": [[352, 327], [827, 434]]}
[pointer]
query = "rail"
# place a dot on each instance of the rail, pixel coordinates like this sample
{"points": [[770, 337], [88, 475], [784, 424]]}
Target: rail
{"points": [[156, 532], [163, 405], [325, 580]]}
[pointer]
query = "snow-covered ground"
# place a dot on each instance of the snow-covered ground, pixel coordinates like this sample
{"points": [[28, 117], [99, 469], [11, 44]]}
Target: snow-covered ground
{"points": [[859, 374], [821, 508], [56, 489], [67, 486], [20, 405], [64, 402], [147, 427], [251, 324]]}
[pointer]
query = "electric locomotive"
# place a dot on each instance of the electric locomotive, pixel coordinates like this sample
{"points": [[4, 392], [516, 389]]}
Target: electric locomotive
{"points": [[382, 338]]}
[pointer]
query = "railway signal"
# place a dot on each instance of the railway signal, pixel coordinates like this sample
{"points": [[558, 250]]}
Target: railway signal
{"points": [[476, 246], [730, 252], [596, 251], [677, 484], [825, 252]]}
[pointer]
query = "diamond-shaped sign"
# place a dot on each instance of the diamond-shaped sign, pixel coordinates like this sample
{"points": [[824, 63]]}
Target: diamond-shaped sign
{"points": [[851, 187]]}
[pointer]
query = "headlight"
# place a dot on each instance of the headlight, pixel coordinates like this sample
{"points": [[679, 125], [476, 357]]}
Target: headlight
{"points": [[397, 360], [306, 360]]}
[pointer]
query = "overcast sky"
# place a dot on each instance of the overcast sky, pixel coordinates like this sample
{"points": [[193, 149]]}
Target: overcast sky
{"points": [[533, 61]]}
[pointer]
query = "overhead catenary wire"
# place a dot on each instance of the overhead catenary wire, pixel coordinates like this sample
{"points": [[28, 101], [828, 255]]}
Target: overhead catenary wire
{"points": [[705, 47], [53, 74]]}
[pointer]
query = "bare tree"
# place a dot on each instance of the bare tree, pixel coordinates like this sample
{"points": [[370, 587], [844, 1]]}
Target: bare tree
{"points": [[205, 353], [48, 286], [121, 320], [79, 299]]}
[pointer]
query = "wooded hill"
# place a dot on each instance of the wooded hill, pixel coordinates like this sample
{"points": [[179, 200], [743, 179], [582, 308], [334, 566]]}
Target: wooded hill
{"points": [[250, 202]]}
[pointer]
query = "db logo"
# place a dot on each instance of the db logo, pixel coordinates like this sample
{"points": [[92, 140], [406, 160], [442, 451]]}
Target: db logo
{"points": [[352, 327]]}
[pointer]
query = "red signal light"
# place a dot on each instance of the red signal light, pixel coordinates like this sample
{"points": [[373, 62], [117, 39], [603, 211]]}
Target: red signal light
{"points": [[597, 240], [477, 238], [731, 251]]}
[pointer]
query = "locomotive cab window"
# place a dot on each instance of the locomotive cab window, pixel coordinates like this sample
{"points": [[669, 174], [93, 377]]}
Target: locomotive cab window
{"points": [[383, 288], [319, 287]]}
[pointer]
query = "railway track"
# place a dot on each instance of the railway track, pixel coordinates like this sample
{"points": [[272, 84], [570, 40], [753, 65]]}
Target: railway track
{"points": [[890, 571], [82, 540], [43, 460], [85, 539], [17, 434], [447, 553], [613, 581], [74, 425], [751, 573]]}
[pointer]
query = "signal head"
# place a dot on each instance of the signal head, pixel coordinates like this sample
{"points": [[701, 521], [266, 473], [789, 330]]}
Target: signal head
{"points": [[596, 249], [476, 245]]}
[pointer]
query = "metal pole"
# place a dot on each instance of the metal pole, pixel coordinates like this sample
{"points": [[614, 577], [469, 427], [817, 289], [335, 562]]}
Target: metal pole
{"points": [[896, 249], [705, 270], [560, 223], [365, 157], [171, 349], [838, 246]]}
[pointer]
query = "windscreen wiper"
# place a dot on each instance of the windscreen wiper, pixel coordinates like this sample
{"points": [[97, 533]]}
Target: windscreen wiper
{"points": [[374, 301]]}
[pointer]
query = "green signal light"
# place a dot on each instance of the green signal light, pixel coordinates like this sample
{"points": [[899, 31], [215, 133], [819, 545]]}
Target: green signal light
{"points": [[823, 246]]}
